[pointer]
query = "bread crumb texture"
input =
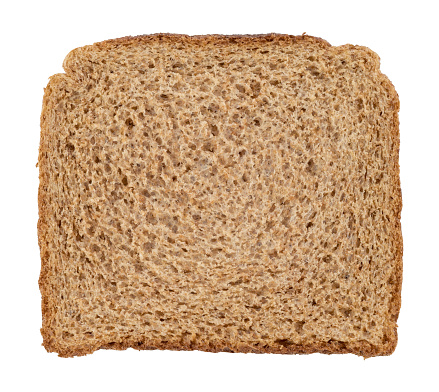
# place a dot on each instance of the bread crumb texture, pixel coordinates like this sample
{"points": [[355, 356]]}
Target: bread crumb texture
{"points": [[220, 193]]}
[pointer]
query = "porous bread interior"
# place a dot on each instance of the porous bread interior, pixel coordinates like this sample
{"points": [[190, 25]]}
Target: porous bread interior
{"points": [[220, 194]]}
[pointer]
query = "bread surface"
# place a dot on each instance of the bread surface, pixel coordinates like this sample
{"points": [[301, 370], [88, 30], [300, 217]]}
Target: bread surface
{"points": [[220, 193]]}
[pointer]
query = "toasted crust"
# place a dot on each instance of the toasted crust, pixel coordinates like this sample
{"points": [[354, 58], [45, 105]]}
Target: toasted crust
{"points": [[395, 304], [362, 348], [217, 38], [44, 280]]}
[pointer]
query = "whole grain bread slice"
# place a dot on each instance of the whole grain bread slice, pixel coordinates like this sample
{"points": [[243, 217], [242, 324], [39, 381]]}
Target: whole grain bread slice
{"points": [[220, 193]]}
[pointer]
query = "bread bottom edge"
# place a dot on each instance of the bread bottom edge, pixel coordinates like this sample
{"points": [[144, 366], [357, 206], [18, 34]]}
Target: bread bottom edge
{"points": [[360, 348]]}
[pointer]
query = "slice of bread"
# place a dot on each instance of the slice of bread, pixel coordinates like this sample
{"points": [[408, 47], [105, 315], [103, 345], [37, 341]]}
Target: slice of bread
{"points": [[220, 193]]}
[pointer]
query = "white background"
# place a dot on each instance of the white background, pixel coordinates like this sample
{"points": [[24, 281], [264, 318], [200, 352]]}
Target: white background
{"points": [[36, 36]]}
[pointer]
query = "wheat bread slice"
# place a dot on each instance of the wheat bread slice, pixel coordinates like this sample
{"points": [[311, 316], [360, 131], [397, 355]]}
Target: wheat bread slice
{"points": [[220, 193]]}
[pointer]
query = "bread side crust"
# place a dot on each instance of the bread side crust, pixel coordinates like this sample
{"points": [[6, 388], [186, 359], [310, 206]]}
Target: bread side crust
{"points": [[47, 305], [395, 303], [217, 38], [361, 348]]}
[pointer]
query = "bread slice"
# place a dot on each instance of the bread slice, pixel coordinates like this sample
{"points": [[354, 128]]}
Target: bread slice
{"points": [[220, 193]]}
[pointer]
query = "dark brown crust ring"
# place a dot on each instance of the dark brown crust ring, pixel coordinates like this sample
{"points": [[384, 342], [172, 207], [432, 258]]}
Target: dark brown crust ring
{"points": [[47, 305], [395, 303], [333, 347], [217, 38], [362, 348]]}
